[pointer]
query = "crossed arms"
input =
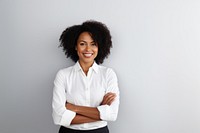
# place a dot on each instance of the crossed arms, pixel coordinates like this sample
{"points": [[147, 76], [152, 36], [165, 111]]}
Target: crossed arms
{"points": [[89, 114]]}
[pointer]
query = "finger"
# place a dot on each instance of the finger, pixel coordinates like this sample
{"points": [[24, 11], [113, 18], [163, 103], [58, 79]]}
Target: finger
{"points": [[107, 97], [109, 100], [109, 93]]}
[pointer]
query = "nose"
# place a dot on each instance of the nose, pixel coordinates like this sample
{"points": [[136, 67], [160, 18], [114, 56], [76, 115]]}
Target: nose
{"points": [[88, 48]]}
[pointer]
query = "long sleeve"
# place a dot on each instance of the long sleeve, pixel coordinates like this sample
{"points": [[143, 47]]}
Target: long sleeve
{"points": [[109, 113], [61, 115]]}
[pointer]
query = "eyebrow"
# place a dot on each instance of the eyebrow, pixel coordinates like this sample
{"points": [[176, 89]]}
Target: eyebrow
{"points": [[86, 42]]}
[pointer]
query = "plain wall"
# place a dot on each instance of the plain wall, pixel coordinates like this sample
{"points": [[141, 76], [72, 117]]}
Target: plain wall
{"points": [[156, 55]]}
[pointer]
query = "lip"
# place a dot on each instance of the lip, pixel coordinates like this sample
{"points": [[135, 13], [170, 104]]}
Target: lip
{"points": [[87, 55]]}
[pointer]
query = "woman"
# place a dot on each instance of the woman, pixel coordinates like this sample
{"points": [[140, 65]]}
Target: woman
{"points": [[86, 95]]}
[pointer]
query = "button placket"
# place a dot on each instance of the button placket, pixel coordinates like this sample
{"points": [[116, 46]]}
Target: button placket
{"points": [[87, 92]]}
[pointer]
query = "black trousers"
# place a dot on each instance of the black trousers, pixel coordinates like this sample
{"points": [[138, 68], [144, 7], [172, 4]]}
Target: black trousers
{"points": [[68, 130]]}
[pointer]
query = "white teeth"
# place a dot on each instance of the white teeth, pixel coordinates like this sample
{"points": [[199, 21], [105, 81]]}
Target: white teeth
{"points": [[88, 55]]}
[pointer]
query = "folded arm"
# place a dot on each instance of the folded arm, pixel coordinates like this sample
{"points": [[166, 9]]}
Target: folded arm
{"points": [[79, 119], [89, 114]]}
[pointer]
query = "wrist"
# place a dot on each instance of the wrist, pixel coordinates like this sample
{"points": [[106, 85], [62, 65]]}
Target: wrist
{"points": [[76, 108], [72, 107]]}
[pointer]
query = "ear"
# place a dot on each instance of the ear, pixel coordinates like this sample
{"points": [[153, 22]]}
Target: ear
{"points": [[76, 48]]}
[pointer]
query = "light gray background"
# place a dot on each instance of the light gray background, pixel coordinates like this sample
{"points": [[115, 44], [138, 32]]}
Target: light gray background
{"points": [[156, 56]]}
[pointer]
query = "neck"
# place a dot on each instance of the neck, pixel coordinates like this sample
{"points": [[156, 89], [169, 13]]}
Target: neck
{"points": [[85, 66]]}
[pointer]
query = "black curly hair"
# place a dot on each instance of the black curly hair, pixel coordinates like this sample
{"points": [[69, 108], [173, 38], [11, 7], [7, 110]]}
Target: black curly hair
{"points": [[99, 33]]}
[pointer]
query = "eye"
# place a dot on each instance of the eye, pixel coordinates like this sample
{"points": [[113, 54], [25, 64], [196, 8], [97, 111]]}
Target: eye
{"points": [[82, 43], [94, 44]]}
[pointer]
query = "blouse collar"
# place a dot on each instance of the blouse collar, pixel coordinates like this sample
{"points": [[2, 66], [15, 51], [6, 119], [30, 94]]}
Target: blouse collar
{"points": [[94, 66]]}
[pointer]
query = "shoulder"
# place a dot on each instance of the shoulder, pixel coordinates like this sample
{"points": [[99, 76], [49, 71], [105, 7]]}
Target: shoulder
{"points": [[107, 70], [109, 75], [64, 71]]}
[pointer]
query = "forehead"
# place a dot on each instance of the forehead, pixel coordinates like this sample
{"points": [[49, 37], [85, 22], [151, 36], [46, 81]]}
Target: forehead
{"points": [[85, 36]]}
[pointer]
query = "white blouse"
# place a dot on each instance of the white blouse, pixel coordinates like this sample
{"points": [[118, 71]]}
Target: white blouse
{"points": [[73, 86]]}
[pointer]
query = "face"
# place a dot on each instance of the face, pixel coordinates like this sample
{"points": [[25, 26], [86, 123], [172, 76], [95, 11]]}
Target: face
{"points": [[87, 49]]}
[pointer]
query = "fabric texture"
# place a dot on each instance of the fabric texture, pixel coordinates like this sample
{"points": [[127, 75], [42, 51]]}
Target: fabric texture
{"points": [[73, 86], [68, 130]]}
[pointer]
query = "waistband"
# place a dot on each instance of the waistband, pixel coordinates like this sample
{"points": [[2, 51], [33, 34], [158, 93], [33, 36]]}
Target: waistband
{"points": [[98, 130]]}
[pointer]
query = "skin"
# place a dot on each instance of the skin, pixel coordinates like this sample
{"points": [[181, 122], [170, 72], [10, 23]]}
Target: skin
{"points": [[87, 51]]}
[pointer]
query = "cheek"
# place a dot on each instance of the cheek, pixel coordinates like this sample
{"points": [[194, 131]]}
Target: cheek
{"points": [[79, 50], [96, 50]]}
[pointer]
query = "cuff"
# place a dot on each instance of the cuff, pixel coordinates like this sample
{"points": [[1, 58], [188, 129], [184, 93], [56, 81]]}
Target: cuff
{"points": [[67, 118], [104, 112]]}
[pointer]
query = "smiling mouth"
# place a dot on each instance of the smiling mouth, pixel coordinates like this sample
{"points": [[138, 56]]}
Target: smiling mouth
{"points": [[88, 54]]}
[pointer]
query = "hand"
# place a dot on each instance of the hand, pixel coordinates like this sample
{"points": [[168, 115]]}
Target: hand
{"points": [[108, 98], [70, 106]]}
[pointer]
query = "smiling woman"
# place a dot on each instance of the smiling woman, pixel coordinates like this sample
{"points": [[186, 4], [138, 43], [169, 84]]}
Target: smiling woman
{"points": [[85, 95], [87, 50]]}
